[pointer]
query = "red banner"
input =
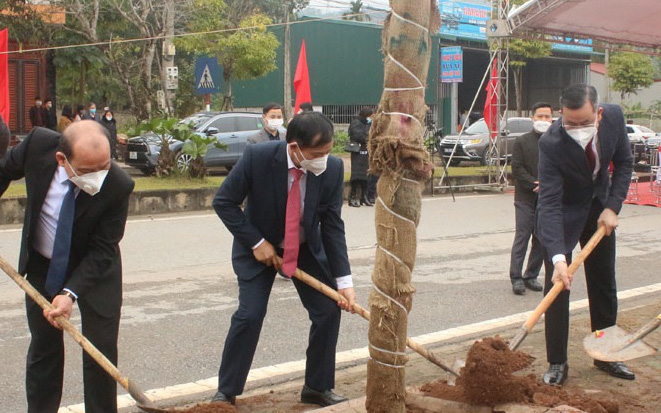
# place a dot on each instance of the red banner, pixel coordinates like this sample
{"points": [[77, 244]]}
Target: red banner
{"points": [[4, 76], [302, 80], [491, 103]]}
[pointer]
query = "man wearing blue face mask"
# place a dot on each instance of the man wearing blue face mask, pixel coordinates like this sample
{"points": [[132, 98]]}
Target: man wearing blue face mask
{"points": [[76, 211], [576, 195], [293, 203], [91, 113]]}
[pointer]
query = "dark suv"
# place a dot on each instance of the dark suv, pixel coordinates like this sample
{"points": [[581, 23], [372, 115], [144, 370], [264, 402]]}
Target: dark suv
{"points": [[474, 142], [231, 128]]}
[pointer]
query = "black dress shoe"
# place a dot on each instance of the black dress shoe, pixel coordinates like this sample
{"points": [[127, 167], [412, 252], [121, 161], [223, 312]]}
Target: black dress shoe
{"points": [[354, 203], [220, 397], [532, 284], [615, 369], [556, 374], [322, 398], [518, 287]]}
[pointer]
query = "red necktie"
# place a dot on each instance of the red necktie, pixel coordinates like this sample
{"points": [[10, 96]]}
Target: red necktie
{"points": [[292, 225], [591, 155]]}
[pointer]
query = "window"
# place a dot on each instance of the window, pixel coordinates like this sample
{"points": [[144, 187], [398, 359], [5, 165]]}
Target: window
{"points": [[248, 123], [224, 124], [478, 127], [519, 126], [630, 130]]}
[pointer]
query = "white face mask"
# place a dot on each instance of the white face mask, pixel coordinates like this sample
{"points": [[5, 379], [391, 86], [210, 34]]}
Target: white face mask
{"points": [[541, 126], [317, 166], [584, 135], [90, 182], [274, 124]]}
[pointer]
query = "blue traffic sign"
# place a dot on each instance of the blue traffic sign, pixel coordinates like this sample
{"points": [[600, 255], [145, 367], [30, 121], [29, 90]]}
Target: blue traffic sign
{"points": [[452, 64], [208, 75]]}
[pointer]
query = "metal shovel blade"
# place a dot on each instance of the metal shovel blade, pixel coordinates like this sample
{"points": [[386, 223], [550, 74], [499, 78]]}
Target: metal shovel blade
{"points": [[611, 344]]}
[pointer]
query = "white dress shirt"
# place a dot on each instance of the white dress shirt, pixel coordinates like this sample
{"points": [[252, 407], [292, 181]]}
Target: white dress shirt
{"points": [[343, 282], [44, 239]]}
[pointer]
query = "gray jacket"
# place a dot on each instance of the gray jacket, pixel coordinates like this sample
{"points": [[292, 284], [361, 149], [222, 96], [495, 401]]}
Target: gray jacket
{"points": [[263, 136]]}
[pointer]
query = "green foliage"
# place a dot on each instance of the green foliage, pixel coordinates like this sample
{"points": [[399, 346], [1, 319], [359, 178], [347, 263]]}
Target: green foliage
{"points": [[165, 128], [356, 12], [23, 22], [245, 54], [630, 71], [339, 141]]}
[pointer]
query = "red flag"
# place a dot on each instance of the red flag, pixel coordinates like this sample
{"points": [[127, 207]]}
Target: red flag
{"points": [[4, 76], [491, 103], [302, 80]]}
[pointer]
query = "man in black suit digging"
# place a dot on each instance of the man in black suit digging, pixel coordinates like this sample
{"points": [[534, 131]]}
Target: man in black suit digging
{"points": [[293, 202], [576, 195], [77, 203]]}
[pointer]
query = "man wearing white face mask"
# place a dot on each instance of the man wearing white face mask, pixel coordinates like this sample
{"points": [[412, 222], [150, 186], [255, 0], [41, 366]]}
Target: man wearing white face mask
{"points": [[576, 195], [293, 203], [74, 219], [525, 156], [273, 120]]}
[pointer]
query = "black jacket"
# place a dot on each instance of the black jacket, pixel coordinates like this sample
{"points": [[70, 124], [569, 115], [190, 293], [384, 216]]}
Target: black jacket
{"points": [[5, 136], [95, 267], [525, 156], [260, 178], [566, 185], [359, 131]]}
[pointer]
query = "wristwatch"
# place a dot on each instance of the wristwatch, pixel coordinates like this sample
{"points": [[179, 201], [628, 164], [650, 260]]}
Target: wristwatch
{"points": [[68, 294]]}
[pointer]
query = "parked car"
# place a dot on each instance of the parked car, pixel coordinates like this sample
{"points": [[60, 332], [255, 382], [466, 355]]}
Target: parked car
{"points": [[229, 128], [474, 142], [639, 133]]}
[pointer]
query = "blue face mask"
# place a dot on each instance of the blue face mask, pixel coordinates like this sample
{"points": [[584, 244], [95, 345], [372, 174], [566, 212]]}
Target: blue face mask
{"points": [[92, 111], [369, 121]]}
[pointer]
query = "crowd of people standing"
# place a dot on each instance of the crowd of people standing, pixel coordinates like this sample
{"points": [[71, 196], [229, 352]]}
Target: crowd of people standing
{"points": [[43, 114]]}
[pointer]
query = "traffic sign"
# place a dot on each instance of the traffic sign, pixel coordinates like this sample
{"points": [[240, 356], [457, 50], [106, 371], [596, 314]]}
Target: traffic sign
{"points": [[207, 75]]}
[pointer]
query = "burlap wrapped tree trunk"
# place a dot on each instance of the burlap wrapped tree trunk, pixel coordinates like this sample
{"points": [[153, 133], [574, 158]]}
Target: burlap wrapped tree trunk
{"points": [[398, 155]]}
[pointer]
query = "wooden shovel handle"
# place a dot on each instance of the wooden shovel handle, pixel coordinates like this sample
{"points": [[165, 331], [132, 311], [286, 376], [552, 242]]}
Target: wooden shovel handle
{"points": [[559, 286], [331, 293], [66, 325]]}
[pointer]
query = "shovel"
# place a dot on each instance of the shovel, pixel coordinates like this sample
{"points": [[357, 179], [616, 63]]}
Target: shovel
{"points": [[615, 344], [550, 296], [138, 395], [331, 293], [556, 290]]}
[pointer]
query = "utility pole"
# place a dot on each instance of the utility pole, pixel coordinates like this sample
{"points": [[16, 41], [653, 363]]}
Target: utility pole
{"points": [[287, 69], [170, 73]]}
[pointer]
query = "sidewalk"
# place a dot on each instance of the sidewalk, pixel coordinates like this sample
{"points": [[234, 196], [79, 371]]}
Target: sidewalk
{"points": [[281, 392]]}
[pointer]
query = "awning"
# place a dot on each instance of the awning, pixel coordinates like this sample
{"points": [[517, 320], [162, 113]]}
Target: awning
{"points": [[617, 22]]}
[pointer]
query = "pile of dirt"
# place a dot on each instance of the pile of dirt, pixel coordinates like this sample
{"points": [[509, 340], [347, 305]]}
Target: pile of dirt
{"points": [[207, 408], [488, 379]]}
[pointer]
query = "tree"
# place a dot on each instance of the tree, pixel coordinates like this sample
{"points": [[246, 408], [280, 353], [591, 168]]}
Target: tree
{"points": [[244, 54], [356, 12], [630, 72], [398, 155], [520, 52]]}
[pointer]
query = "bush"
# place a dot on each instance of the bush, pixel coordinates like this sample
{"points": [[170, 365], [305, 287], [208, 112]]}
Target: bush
{"points": [[340, 140]]}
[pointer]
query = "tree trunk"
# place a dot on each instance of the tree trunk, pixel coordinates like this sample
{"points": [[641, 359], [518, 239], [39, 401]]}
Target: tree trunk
{"points": [[228, 103], [397, 154], [83, 82], [287, 69], [518, 91]]}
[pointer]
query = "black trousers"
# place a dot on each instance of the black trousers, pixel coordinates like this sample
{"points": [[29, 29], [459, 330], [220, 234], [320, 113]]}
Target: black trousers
{"points": [[246, 325], [525, 223], [602, 291], [45, 359]]}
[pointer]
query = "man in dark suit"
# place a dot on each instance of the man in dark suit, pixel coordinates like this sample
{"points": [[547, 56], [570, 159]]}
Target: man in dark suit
{"points": [[525, 156], [576, 196], [77, 203], [293, 193], [92, 113], [272, 118]]}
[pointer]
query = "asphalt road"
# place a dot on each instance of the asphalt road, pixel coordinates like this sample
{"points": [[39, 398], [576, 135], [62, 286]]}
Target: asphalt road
{"points": [[180, 290]]}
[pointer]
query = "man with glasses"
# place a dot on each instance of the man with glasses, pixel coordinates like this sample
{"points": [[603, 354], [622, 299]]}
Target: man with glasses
{"points": [[576, 195]]}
